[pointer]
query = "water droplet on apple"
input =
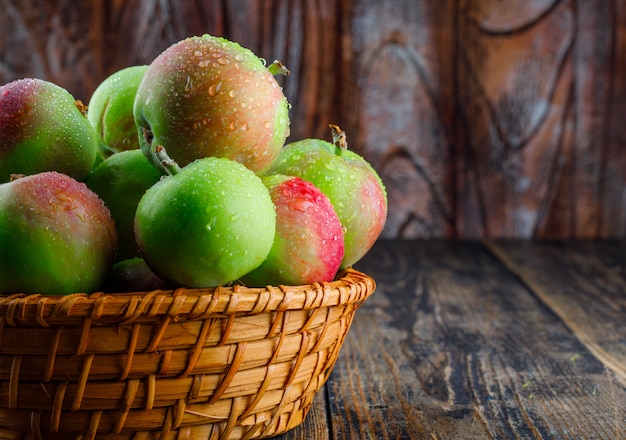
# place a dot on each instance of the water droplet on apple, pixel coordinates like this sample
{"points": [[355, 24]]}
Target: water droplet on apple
{"points": [[214, 88]]}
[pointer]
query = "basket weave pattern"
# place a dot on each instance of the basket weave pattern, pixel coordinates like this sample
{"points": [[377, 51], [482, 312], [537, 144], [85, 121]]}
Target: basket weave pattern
{"points": [[220, 363]]}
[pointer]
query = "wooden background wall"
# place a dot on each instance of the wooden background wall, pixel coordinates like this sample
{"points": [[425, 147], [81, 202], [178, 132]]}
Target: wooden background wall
{"points": [[484, 118]]}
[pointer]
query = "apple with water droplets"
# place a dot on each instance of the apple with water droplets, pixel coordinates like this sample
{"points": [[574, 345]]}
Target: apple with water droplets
{"points": [[206, 224], [348, 180], [208, 96], [308, 246], [110, 110], [120, 181], [56, 236], [43, 128]]}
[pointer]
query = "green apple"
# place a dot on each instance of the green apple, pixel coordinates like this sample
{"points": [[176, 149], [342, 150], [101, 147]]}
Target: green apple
{"points": [[348, 180], [308, 246], [132, 275], [208, 96], [56, 236], [206, 224], [121, 180], [43, 128], [110, 110]]}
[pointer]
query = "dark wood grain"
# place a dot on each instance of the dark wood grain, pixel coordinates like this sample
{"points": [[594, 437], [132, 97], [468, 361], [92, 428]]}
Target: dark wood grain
{"points": [[398, 108], [584, 284], [483, 120], [316, 423], [454, 345]]}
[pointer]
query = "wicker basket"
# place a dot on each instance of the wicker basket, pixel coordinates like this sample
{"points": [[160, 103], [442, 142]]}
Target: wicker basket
{"points": [[223, 363]]}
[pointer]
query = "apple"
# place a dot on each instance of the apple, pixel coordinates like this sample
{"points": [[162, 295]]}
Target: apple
{"points": [[120, 181], [348, 180], [110, 110], [206, 224], [43, 128], [56, 235], [207, 96], [133, 275], [308, 246]]}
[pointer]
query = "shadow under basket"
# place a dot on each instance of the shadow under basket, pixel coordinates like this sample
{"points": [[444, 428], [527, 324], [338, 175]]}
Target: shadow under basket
{"points": [[219, 363]]}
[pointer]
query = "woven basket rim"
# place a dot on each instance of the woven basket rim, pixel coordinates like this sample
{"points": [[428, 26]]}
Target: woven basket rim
{"points": [[350, 286]]}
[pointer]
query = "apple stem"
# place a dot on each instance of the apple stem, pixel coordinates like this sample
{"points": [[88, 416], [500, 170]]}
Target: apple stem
{"points": [[168, 163], [339, 137], [81, 106], [278, 68]]}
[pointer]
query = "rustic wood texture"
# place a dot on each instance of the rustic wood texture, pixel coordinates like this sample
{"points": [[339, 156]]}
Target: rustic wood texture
{"points": [[456, 344], [485, 119], [584, 285], [315, 426]]}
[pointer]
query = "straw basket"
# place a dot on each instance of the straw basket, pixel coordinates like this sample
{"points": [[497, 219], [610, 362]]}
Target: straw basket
{"points": [[221, 363]]}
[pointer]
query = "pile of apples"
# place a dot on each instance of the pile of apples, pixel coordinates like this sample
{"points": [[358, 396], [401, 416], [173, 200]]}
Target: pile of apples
{"points": [[176, 174]]}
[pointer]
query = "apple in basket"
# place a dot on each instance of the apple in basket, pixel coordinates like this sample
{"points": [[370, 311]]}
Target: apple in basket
{"points": [[308, 245], [42, 128], [206, 224], [110, 110], [208, 96], [120, 181], [56, 236], [132, 275], [350, 182]]}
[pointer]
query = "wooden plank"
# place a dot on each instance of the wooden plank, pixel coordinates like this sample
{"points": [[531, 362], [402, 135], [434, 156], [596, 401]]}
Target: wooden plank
{"points": [[584, 284], [59, 42], [315, 425], [453, 345], [483, 120], [514, 81], [613, 194], [595, 23], [397, 106]]}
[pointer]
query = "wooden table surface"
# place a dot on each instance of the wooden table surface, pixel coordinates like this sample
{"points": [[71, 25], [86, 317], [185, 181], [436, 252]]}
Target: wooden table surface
{"points": [[482, 340]]}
